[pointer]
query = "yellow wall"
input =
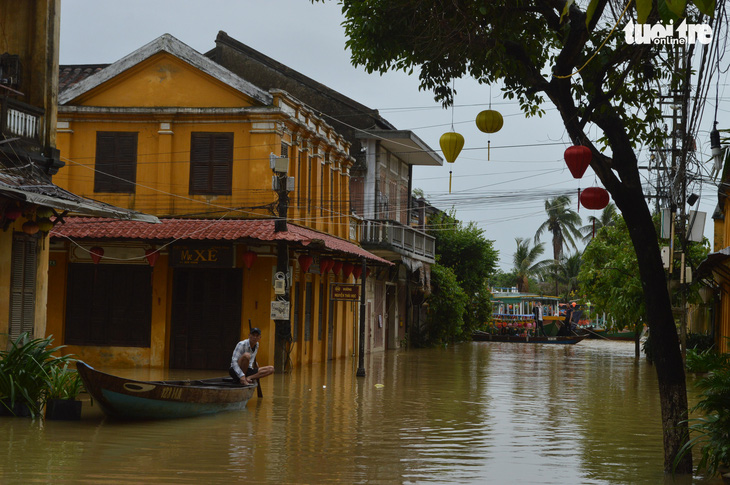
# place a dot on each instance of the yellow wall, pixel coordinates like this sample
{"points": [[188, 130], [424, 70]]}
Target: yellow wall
{"points": [[166, 89]]}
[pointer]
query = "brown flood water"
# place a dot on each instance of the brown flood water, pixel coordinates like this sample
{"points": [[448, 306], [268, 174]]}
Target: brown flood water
{"points": [[476, 412]]}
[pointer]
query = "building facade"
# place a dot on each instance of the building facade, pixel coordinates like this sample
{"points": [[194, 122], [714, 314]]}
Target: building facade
{"points": [[30, 203], [380, 187], [170, 132]]}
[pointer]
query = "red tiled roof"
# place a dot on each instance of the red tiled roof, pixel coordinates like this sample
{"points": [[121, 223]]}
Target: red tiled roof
{"points": [[204, 229]]}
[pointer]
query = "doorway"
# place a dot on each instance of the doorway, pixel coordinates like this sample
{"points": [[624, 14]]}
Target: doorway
{"points": [[206, 317]]}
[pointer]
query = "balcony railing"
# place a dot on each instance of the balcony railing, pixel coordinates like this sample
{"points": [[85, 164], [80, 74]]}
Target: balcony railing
{"points": [[403, 239], [18, 119]]}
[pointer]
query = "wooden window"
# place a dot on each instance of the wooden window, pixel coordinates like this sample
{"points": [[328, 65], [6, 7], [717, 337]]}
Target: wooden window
{"points": [[109, 304], [22, 284], [116, 162], [211, 163]]}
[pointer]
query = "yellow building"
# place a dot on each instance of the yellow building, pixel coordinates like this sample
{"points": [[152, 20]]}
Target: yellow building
{"points": [[167, 131], [28, 159]]}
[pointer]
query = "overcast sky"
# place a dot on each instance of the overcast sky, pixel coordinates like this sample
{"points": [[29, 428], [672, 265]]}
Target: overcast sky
{"points": [[504, 196]]}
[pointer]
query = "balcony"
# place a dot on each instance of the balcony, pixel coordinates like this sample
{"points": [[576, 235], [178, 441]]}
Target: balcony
{"points": [[389, 238], [20, 120]]}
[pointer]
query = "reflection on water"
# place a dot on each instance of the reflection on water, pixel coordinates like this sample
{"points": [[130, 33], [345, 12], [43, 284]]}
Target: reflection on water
{"points": [[474, 412]]}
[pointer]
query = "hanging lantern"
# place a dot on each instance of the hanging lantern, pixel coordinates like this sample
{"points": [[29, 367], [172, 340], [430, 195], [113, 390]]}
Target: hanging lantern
{"points": [[305, 261], [489, 121], [96, 254], [12, 213], [248, 258], [151, 255], [357, 271], [578, 158], [336, 267], [451, 145], [30, 227], [594, 198], [325, 265], [347, 269], [44, 224], [44, 212]]}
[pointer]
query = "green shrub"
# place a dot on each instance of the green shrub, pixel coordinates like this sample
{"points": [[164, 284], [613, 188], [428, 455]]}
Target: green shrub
{"points": [[64, 383], [700, 341], [712, 431], [702, 361], [25, 372]]}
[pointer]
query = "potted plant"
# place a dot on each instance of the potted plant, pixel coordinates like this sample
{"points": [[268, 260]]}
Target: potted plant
{"points": [[64, 386], [24, 372]]}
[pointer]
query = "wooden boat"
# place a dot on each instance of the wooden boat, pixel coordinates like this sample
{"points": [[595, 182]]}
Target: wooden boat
{"points": [[130, 399], [527, 339]]}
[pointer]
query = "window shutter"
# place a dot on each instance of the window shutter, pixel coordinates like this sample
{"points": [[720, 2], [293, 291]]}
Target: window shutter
{"points": [[22, 285], [211, 163], [116, 162]]}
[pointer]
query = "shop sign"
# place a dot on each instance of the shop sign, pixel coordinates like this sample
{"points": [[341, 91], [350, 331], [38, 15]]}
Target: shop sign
{"points": [[202, 256], [344, 292]]}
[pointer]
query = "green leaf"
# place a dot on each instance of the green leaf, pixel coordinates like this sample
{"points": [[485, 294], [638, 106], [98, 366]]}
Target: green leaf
{"points": [[707, 7], [676, 6], [565, 9], [667, 13], [643, 9], [590, 11]]}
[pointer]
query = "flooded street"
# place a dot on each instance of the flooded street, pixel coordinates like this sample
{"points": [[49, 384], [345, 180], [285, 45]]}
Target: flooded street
{"points": [[476, 412]]}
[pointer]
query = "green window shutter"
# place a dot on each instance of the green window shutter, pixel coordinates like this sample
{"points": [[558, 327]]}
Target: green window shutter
{"points": [[22, 284]]}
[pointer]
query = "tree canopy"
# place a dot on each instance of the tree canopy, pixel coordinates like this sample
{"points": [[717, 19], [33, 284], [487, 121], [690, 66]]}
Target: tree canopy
{"points": [[606, 90]]}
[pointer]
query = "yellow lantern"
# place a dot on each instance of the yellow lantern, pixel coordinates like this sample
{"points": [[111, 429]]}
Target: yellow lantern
{"points": [[489, 121], [451, 145]]}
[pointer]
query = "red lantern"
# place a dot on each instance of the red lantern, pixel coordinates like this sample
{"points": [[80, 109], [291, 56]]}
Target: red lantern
{"points": [[347, 269], [594, 198], [248, 258], [578, 158], [12, 213], [357, 271], [325, 265], [151, 255], [96, 254], [336, 267], [305, 261]]}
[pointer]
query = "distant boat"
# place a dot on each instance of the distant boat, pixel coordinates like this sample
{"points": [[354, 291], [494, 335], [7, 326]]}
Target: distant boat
{"points": [[130, 399], [526, 339]]}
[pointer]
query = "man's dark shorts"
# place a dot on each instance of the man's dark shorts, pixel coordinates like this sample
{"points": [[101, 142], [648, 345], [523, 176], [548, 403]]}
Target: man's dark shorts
{"points": [[249, 372]]}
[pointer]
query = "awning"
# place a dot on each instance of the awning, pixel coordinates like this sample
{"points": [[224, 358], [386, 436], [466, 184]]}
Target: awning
{"points": [[208, 230], [41, 192], [714, 263]]}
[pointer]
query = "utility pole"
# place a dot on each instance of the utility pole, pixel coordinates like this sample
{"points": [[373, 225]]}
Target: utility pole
{"points": [[283, 335]]}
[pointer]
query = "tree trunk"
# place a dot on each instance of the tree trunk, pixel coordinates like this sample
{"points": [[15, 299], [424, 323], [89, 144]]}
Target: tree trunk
{"points": [[663, 331]]}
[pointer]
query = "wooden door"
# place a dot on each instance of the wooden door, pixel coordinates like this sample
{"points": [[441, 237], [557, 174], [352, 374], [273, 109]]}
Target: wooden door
{"points": [[206, 317]]}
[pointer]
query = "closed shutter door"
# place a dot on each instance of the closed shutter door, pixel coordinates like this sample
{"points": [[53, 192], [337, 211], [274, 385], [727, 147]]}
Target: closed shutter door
{"points": [[22, 284]]}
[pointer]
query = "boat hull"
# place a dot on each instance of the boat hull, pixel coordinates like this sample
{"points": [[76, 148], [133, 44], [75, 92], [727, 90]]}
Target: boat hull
{"points": [[130, 399], [565, 340]]}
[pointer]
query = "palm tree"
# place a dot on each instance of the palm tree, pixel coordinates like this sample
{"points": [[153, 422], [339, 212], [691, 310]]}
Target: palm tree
{"points": [[568, 270], [562, 223], [606, 218], [526, 264]]}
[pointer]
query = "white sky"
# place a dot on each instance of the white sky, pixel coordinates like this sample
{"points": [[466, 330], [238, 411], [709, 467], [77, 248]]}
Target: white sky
{"points": [[504, 196]]}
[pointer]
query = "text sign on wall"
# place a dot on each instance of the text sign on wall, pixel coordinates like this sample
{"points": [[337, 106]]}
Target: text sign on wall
{"points": [[280, 310], [345, 292], [208, 256]]}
